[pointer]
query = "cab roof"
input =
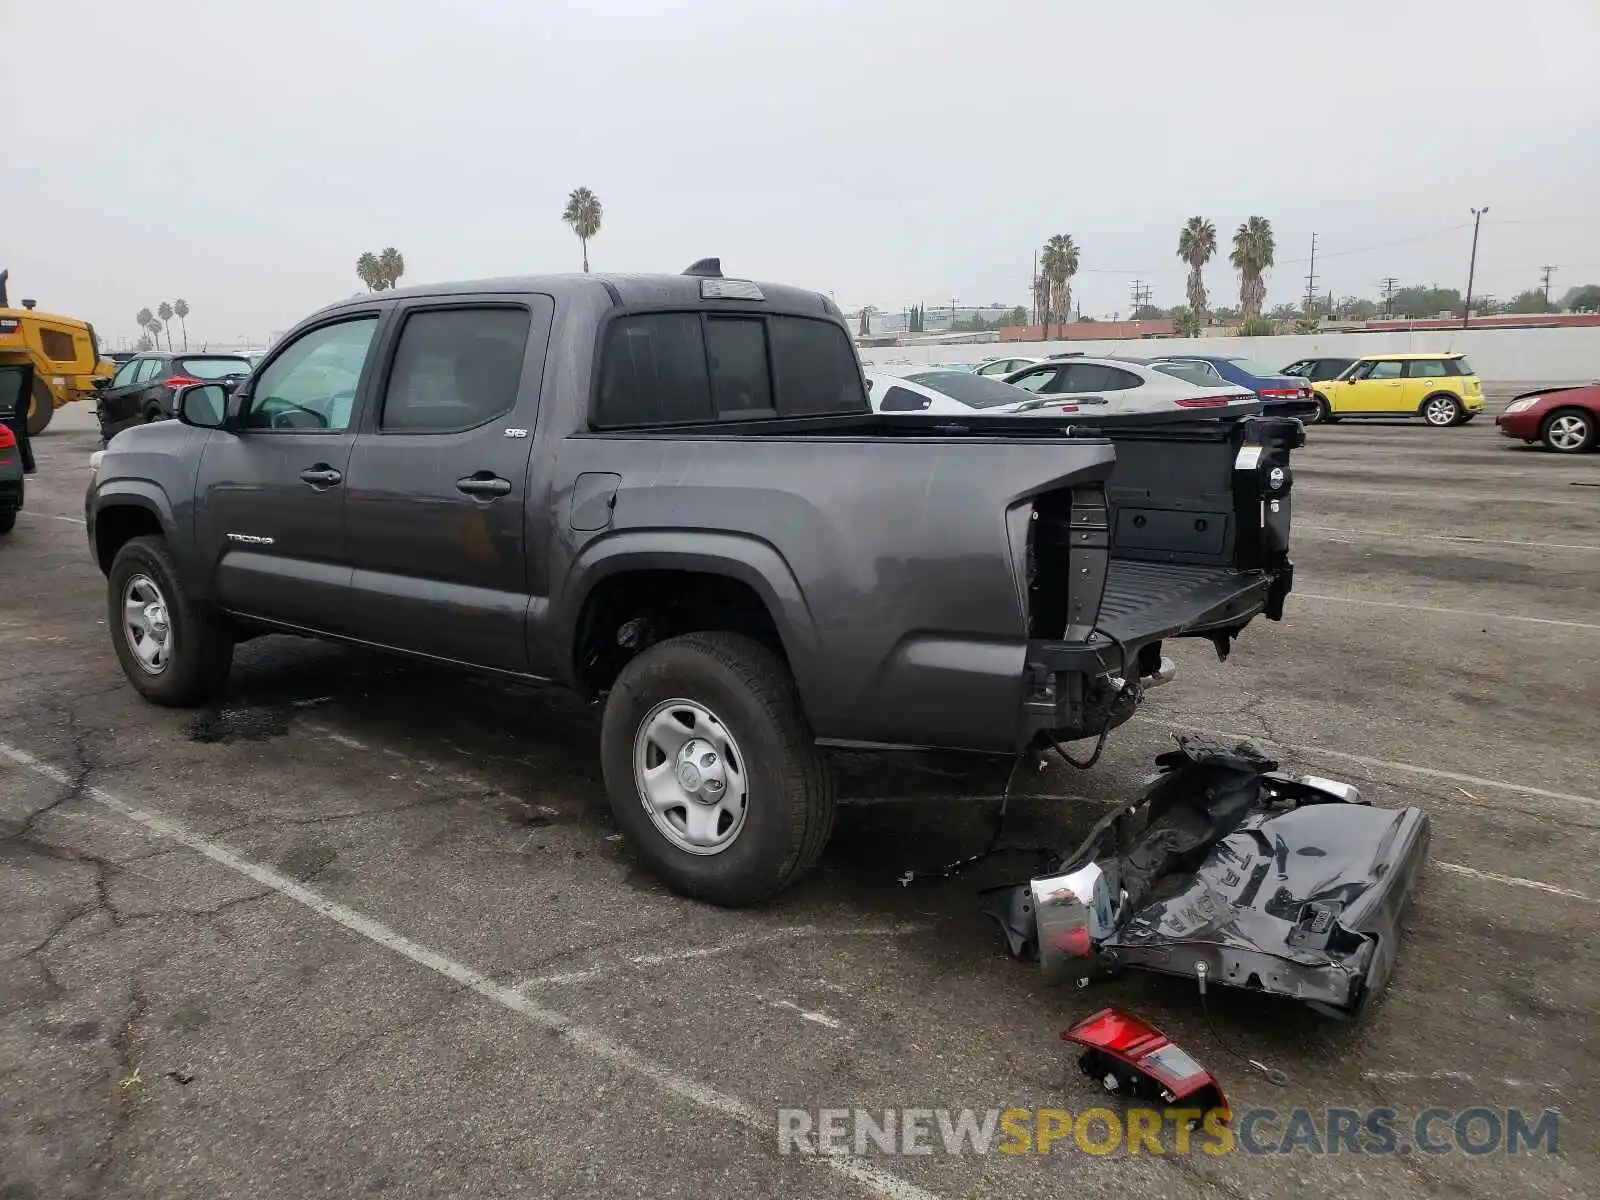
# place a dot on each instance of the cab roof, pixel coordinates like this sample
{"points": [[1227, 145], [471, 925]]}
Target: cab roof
{"points": [[1423, 355]]}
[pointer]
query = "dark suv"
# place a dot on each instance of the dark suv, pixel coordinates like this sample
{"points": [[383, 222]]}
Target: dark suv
{"points": [[142, 389]]}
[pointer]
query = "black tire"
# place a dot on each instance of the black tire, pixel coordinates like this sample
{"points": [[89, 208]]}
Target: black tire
{"points": [[1466, 418], [1441, 410], [8, 519], [789, 806], [153, 414], [1559, 438], [1325, 413], [202, 644], [41, 408]]}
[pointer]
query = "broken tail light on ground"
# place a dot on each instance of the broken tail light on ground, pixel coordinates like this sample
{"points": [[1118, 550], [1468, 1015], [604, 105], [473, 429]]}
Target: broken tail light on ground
{"points": [[1130, 1057], [1227, 868]]}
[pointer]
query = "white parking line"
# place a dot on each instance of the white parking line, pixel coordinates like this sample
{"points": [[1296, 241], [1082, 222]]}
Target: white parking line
{"points": [[1515, 881], [1314, 752], [1446, 537], [30, 512], [1451, 612], [1437, 496], [593, 1042]]}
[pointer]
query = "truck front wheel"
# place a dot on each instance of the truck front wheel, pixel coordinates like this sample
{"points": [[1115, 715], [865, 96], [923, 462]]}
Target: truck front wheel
{"points": [[711, 768], [172, 653]]}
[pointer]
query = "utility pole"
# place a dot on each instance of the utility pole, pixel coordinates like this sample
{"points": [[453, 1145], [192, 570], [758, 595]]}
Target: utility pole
{"points": [[1546, 271], [1389, 284], [1472, 266], [1141, 295], [1311, 277]]}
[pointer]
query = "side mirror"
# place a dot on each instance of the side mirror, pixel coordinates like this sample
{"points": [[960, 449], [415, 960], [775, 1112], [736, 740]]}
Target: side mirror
{"points": [[204, 405], [102, 383]]}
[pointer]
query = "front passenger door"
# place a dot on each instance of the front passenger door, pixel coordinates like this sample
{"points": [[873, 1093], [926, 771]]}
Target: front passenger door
{"points": [[269, 514]]}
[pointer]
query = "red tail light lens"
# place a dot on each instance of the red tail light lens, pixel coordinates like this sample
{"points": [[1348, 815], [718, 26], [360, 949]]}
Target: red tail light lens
{"points": [[1280, 393], [178, 381], [8, 440], [1202, 402]]}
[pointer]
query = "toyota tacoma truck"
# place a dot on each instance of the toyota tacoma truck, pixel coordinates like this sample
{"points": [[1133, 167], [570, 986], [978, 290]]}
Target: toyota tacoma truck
{"points": [[671, 493]]}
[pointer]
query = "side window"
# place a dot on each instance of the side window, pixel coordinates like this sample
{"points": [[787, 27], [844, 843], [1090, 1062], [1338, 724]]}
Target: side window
{"points": [[741, 381], [653, 372], [149, 369], [994, 368], [816, 368], [1298, 368], [1330, 368], [1423, 368], [311, 385], [1037, 381], [1096, 377], [899, 399], [1386, 370], [455, 369], [1359, 372], [125, 373], [57, 345]]}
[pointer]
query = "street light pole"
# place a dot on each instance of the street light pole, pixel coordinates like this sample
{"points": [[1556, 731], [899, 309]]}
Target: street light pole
{"points": [[1472, 266]]}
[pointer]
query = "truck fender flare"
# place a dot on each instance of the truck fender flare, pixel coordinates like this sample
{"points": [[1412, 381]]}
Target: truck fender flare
{"points": [[746, 559], [147, 496]]}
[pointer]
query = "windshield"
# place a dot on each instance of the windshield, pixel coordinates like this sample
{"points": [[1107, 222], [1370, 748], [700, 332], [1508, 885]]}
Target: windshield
{"points": [[213, 368], [1251, 367], [975, 391]]}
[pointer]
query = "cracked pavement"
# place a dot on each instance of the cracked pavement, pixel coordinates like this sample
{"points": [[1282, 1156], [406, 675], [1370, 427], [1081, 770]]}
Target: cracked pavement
{"points": [[171, 1027]]}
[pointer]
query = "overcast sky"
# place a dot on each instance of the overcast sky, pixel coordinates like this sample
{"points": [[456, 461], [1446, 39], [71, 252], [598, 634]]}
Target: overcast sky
{"points": [[241, 155]]}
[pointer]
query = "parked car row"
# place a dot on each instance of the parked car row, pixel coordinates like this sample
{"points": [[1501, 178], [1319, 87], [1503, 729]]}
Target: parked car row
{"points": [[143, 388]]}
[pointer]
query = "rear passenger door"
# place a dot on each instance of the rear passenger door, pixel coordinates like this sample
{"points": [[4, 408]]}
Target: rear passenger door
{"points": [[1424, 377], [438, 481]]}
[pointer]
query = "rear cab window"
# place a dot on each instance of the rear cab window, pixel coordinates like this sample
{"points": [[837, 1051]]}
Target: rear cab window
{"points": [[679, 368], [212, 368]]}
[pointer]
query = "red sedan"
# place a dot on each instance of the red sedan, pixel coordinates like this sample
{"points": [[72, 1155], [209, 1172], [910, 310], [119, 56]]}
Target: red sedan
{"points": [[1566, 420]]}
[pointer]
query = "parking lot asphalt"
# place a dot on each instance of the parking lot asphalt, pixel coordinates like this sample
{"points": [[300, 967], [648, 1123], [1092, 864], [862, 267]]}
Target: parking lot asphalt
{"points": [[365, 928]]}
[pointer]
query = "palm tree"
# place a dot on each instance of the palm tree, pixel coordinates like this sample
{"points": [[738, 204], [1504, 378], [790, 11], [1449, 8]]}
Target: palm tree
{"points": [[1058, 263], [583, 215], [1041, 301], [367, 270], [391, 265], [1253, 249], [1197, 242], [180, 309], [143, 343], [164, 311], [144, 318], [155, 330]]}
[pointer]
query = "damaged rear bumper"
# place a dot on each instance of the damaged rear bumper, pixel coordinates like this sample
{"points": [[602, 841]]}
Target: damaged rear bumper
{"points": [[1230, 871]]}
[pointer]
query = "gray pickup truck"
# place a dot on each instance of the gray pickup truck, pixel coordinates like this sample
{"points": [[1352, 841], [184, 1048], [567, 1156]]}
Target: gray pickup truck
{"points": [[672, 493]]}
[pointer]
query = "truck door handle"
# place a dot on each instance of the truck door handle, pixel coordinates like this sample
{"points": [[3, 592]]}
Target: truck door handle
{"points": [[483, 484], [321, 476]]}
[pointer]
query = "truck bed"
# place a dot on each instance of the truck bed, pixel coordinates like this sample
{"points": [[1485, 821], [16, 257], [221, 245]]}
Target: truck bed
{"points": [[1151, 599]]}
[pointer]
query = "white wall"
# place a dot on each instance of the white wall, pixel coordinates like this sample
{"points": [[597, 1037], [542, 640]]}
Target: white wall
{"points": [[1498, 355]]}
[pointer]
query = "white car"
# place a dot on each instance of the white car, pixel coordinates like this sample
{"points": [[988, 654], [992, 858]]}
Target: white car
{"points": [[1002, 366], [1120, 386]]}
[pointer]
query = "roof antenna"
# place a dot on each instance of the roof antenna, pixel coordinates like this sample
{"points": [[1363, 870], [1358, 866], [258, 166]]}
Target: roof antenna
{"points": [[706, 268]]}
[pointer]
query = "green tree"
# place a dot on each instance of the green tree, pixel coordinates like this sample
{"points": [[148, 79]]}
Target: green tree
{"points": [[1017, 316], [1253, 252], [1058, 263], [164, 311], [1585, 297], [144, 318], [391, 265], [583, 215], [1284, 312], [180, 308], [1147, 312], [1197, 242], [1424, 303], [1185, 321], [1257, 326], [1355, 308], [1530, 301], [367, 270]]}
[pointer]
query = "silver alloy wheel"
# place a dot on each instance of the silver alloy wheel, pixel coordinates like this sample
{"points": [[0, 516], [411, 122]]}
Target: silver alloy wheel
{"points": [[147, 624], [690, 776], [1441, 410], [1568, 431]]}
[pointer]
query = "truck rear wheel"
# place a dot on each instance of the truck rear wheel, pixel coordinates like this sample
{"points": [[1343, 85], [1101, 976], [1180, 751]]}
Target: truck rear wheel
{"points": [[41, 407], [173, 654], [711, 769]]}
